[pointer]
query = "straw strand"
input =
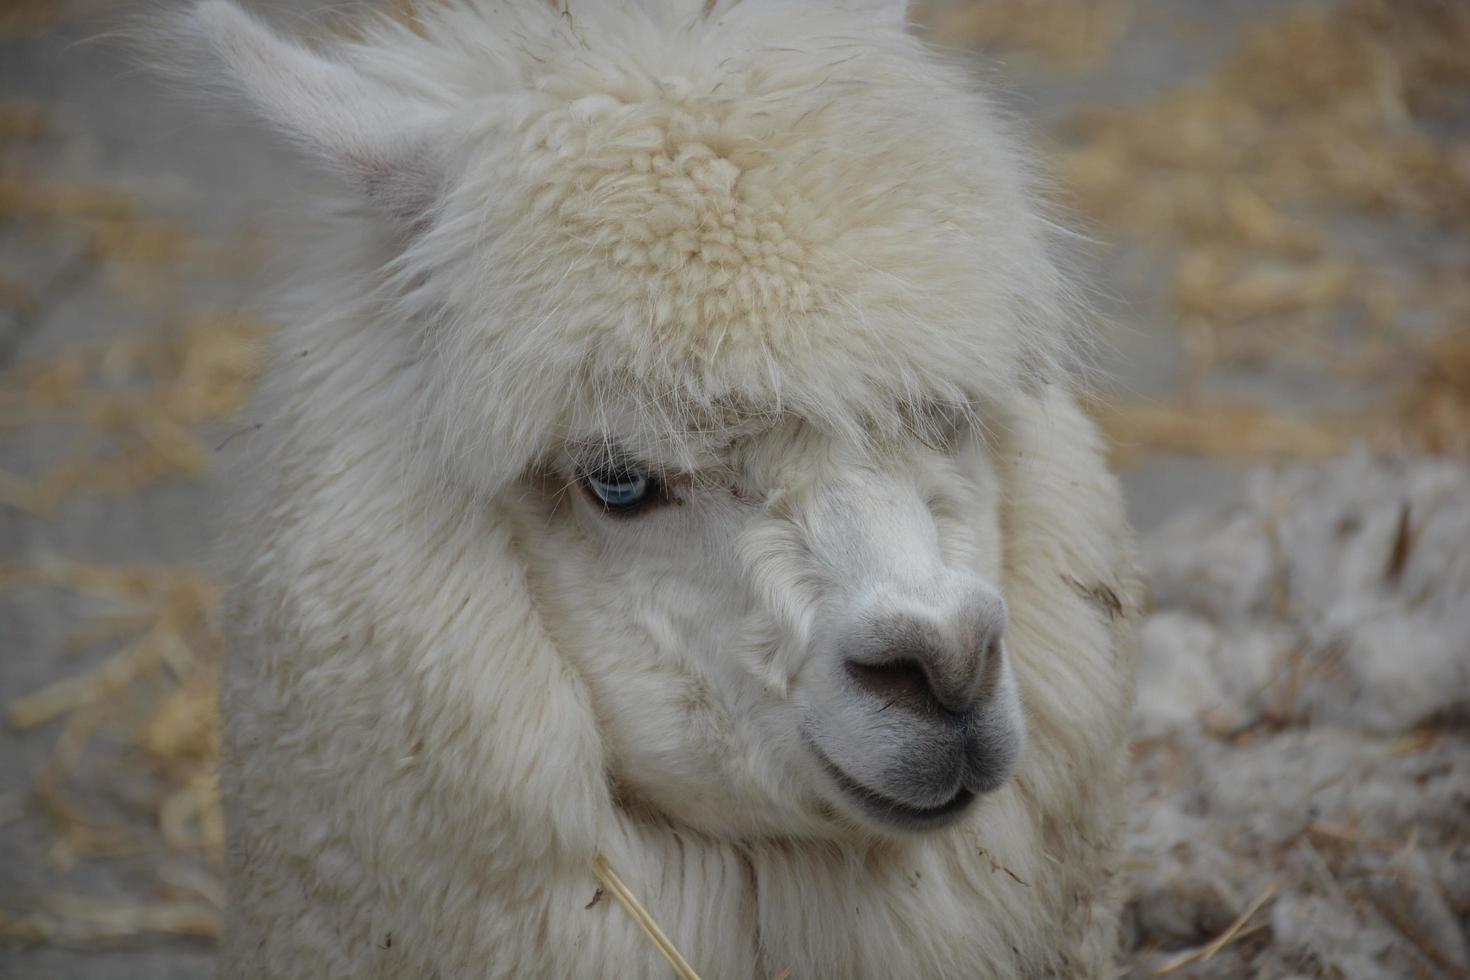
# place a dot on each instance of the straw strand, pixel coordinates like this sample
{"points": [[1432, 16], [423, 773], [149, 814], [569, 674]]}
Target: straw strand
{"points": [[628, 901]]}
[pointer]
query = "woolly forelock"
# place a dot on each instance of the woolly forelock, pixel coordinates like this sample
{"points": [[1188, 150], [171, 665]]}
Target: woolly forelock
{"points": [[659, 225]]}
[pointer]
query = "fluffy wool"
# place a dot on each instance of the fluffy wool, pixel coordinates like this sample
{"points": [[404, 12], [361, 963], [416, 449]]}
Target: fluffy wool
{"points": [[794, 266], [1303, 693]]}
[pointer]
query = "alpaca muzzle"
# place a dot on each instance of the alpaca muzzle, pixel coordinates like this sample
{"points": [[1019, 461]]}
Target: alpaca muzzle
{"points": [[925, 717]]}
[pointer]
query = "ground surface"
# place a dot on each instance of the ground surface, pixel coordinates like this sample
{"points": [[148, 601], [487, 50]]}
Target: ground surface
{"points": [[198, 202]]}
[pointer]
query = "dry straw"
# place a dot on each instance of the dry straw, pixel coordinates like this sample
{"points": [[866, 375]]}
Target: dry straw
{"points": [[614, 885], [134, 406], [1206, 952], [1239, 185], [645, 921], [1068, 35]]}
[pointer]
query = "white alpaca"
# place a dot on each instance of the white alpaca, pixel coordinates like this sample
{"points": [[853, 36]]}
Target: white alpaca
{"points": [[671, 454]]}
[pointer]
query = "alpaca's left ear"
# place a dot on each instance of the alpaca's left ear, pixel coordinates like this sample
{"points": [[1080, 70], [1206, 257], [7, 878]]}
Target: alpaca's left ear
{"points": [[357, 126]]}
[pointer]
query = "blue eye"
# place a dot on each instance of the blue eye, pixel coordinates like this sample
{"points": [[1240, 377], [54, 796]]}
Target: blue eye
{"points": [[620, 488]]}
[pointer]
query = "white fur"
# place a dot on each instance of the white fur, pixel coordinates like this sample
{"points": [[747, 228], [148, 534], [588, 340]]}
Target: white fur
{"points": [[1304, 668], [779, 253]]}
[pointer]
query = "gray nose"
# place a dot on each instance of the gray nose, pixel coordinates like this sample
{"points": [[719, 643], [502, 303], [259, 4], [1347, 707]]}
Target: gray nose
{"points": [[930, 665]]}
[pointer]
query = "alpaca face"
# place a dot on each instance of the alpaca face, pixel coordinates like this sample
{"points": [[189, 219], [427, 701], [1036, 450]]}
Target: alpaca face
{"points": [[680, 289], [798, 635]]}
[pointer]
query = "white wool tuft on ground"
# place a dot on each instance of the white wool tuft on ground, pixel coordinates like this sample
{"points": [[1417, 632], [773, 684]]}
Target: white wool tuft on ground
{"points": [[1303, 730]]}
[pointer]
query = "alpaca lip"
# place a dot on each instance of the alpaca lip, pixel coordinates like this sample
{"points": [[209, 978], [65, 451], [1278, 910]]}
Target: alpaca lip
{"points": [[895, 813]]}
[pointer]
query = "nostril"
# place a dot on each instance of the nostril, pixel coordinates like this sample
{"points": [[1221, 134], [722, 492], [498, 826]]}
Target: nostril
{"points": [[902, 682]]}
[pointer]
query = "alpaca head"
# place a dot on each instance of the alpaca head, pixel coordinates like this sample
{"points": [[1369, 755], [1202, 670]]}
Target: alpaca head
{"points": [[722, 308]]}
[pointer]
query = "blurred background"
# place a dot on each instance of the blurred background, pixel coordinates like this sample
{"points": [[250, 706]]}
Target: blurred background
{"points": [[1273, 199]]}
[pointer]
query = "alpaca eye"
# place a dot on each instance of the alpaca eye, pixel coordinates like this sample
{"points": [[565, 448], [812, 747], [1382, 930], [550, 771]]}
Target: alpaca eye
{"points": [[620, 488]]}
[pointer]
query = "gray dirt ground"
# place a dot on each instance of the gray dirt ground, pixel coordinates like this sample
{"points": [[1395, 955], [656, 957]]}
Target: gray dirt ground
{"points": [[111, 123]]}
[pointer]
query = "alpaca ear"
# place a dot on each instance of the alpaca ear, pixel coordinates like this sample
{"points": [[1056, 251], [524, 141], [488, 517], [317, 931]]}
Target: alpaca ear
{"points": [[357, 126]]}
